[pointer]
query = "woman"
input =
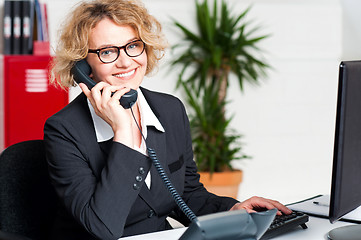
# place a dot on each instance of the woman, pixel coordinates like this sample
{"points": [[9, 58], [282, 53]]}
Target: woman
{"points": [[97, 156]]}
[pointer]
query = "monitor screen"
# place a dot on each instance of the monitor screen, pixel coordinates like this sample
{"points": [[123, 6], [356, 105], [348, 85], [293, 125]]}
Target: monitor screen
{"points": [[346, 170], [346, 173]]}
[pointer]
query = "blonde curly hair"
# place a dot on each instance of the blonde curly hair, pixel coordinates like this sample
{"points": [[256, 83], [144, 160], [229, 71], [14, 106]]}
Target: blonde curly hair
{"points": [[75, 32]]}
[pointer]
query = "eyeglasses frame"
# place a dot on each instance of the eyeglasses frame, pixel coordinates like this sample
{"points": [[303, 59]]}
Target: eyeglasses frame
{"points": [[97, 51]]}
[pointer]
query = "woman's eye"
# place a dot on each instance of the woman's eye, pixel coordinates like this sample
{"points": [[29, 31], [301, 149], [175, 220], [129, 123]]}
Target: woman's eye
{"points": [[107, 52], [133, 46]]}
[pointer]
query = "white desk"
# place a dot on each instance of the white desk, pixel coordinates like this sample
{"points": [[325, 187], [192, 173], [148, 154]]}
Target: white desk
{"points": [[317, 230]]}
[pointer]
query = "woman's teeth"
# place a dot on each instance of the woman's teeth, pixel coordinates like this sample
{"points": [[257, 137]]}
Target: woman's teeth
{"points": [[125, 74]]}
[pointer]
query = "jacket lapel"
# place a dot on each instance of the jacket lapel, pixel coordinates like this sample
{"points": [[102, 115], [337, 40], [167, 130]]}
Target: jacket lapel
{"points": [[85, 127]]}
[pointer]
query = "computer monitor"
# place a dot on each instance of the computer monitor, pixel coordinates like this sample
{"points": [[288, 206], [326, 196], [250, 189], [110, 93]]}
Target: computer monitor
{"points": [[346, 171]]}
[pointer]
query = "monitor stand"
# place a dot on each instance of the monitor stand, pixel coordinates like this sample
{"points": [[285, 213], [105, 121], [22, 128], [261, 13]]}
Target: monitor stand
{"points": [[345, 233]]}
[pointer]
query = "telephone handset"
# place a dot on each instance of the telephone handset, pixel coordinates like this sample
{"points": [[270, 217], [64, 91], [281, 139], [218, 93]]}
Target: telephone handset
{"points": [[81, 71]]}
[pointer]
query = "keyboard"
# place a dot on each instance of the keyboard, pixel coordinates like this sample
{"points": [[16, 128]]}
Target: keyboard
{"points": [[285, 223]]}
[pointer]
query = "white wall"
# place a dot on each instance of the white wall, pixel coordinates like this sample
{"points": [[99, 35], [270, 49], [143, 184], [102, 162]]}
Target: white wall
{"points": [[287, 121], [290, 124]]}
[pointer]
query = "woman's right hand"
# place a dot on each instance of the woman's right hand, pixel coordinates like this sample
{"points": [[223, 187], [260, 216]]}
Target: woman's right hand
{"points": [[108, 108]]}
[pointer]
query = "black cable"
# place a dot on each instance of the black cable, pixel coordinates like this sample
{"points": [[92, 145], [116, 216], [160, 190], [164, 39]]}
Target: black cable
{"points": [[177, 198]]}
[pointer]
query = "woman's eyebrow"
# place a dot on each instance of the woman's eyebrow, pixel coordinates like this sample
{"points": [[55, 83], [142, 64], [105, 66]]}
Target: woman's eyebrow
{"points": [[110, 45]]}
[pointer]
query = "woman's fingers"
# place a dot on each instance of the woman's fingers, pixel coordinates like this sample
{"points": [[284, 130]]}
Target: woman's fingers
{"points": [[258, 203]]}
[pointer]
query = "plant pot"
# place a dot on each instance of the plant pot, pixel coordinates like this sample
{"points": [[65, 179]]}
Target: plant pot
{"points": [[222, 183]]}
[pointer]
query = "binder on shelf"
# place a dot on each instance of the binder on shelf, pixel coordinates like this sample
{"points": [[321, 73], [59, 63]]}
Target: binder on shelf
{"points": [[27, 26], [44, 19], [7, 27], [16, 27], [38, 20]]}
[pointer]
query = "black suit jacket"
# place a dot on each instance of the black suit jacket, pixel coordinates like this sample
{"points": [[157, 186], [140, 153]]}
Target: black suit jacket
{"points": [[102, 186]]}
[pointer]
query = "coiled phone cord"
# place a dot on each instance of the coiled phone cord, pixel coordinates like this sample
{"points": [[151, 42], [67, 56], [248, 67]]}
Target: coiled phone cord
{"points": [[177, 198]]}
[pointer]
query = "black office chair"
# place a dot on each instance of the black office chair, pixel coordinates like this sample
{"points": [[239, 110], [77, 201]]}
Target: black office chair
{"points": [[27, 199]]}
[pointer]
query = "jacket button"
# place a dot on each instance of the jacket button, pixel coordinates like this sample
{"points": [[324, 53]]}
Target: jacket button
{"points": [[141, 170], [138, 178], [135, 186], [151, 213]]}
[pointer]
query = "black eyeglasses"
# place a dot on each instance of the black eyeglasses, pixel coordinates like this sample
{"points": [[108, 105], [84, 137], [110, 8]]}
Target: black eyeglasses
{"points": [[110, 54]]}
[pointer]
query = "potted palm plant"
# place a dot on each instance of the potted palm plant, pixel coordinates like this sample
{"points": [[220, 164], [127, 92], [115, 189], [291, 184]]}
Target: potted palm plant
{"points": [[222, 46]]}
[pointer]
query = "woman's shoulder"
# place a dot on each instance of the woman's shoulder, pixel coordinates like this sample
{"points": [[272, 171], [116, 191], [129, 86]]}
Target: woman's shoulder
{"points": [[168, 108], [160, 98], [76, 108]]}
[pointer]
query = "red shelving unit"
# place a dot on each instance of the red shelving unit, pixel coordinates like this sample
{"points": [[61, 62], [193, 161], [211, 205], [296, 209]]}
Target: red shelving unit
{"points": [[28, 98]]}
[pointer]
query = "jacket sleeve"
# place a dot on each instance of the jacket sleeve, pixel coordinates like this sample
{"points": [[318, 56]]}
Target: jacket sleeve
{"points": [[100, 203]]}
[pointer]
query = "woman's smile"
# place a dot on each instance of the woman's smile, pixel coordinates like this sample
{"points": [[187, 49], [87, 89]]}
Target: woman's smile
{"points": [[125, 74]]}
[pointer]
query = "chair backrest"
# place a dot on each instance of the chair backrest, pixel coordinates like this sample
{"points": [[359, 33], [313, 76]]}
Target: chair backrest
{"points": [[27, 199]]}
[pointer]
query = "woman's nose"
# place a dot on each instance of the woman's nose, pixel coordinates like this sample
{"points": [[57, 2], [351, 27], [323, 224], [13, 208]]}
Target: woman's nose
{"points": [[123, 60]]}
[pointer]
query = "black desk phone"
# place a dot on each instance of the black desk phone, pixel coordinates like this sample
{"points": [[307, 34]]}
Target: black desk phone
{"points": [[81, 71]]}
